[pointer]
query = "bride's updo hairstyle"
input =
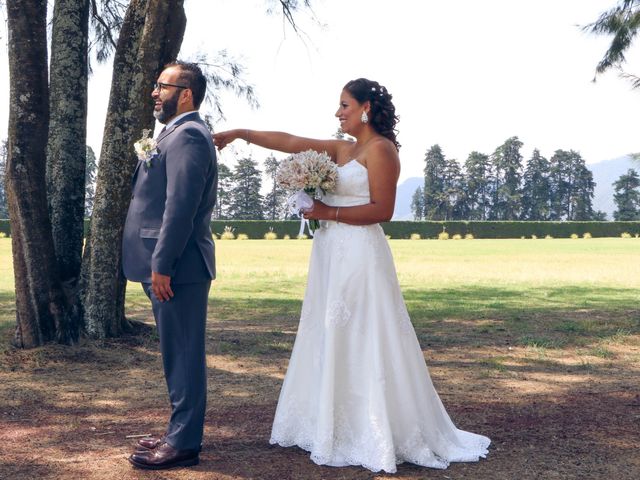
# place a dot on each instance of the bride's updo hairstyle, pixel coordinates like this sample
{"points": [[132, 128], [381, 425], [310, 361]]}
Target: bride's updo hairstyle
{"points": [[382, 116]]}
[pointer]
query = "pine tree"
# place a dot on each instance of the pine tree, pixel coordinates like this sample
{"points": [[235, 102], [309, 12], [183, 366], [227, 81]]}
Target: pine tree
{"points": [[582, 192], [477, 186], [221, 210], [622, 23], [435, 201], [145, 35], [417, 204], [454, 190], [275, 202], [245, 202], [507, 165], [67, 135], [572, 187], [627, 196], [536, 192], [560, 184], [90, 182]]}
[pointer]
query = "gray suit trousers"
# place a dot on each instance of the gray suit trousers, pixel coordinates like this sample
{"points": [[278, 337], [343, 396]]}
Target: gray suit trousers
{"points": [[181, 327]]}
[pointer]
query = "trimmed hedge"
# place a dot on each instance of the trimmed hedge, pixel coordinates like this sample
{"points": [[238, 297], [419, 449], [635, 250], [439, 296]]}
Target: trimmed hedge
{"points": [[507, 229], [427, 229], [257, 228]]}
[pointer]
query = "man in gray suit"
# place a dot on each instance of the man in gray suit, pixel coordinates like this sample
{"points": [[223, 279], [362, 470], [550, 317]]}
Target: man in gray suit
{"points": [[168, 247]]}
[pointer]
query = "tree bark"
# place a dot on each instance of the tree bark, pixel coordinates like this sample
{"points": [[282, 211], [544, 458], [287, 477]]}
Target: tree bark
{"points": [[150, 37], [41, 309], [67, 134]]}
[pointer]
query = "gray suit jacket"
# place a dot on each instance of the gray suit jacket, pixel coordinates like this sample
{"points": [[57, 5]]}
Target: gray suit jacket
{"points": [[167, 227]]}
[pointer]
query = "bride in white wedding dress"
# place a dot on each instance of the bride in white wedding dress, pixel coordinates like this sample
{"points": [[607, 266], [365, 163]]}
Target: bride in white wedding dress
{"points": [[357, 390]]}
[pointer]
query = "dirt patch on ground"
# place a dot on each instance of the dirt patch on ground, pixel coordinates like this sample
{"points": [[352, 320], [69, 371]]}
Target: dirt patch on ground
{"points": [[567, 412]]}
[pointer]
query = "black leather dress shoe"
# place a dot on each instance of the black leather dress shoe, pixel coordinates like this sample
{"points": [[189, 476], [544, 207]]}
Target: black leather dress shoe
{"points": [[151, 442], [164, 456]]}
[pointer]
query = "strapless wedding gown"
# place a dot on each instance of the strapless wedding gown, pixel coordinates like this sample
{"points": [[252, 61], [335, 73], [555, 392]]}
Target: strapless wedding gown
{"points": [[357, 390]]}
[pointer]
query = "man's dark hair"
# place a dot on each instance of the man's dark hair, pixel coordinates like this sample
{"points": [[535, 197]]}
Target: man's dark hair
{"points": [[191, 75]]}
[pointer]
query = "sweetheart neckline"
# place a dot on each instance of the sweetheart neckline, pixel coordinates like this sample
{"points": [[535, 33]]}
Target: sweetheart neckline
{"points": [[350, 161]]}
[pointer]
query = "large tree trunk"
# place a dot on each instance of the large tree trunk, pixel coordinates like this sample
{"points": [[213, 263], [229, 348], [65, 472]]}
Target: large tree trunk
{"points": [[150, 37], [67, 134], [67, 149], [40, 305]]}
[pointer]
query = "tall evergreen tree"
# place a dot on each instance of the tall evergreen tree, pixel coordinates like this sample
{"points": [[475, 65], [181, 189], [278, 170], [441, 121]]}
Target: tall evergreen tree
{"points": [[478, 186], [150, 37], [221, 210], [599, 216], [536, 192], [245, 202], [582, 192], [560, 184], [42, 310], [627, 196], [572, 187], [275, 206], [622, 22], [435, 200], [417, 204], [339, 134], [454, 190], [144, 39], [67, 137], [90, 182], [507, 166]]}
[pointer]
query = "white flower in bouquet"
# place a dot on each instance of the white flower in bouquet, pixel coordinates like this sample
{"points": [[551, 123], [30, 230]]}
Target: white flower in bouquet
{"points": [[308, 174], [146, 148]]}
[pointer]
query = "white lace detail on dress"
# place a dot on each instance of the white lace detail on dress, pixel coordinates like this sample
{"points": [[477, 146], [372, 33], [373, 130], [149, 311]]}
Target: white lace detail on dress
{"points": [[338, 314]]}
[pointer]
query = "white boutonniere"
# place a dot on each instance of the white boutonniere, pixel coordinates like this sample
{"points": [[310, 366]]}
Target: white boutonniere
{"points": [[146, 148]]}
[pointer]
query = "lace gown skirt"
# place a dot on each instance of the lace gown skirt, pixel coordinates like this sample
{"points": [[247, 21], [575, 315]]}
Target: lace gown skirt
{"points": [[357, 390]]}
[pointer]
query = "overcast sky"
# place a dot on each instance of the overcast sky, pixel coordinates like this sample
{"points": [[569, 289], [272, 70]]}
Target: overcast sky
{"points": [[466, 75]]}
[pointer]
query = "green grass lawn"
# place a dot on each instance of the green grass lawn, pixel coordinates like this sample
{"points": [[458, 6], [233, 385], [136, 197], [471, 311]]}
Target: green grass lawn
{"points": [[535, 343], [571, 288], [545, 293]]}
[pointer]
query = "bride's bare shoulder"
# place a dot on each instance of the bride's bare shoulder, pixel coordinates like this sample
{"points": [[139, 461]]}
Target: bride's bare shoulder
{"points": [[344, 149], [381, 148]]}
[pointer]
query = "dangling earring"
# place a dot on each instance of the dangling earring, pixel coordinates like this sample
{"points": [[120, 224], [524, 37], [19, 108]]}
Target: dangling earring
{"points": [[364, 118]]}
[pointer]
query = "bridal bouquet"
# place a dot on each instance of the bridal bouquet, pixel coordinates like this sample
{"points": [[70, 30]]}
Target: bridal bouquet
{"points": [[308, 174]]}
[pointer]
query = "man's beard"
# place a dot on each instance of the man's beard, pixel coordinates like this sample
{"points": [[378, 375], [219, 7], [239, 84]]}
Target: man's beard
{"points": [[168, 109]]}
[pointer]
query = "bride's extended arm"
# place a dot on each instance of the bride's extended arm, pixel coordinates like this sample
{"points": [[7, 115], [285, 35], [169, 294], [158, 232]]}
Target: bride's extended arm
{"points": [[281, 141], [383, 166]]}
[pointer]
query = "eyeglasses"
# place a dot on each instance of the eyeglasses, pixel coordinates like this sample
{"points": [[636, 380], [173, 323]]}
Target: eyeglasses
{"points": [[160, 85]]}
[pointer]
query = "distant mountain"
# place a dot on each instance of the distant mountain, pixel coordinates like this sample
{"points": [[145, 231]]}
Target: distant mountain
{"points": [[404, 192], [604, 174]]}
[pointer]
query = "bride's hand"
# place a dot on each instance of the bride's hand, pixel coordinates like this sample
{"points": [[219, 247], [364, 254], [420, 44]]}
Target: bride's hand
{"points": [[222, 139], [319, 211]]}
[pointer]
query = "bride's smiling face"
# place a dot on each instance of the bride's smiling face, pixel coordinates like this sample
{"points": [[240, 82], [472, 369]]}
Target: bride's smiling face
{"points": [[349, 113]]}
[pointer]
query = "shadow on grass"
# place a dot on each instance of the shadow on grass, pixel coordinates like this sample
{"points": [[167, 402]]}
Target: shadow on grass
{"points": [[467, 316], [479, 302], [534, 317], [58, 399]]}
